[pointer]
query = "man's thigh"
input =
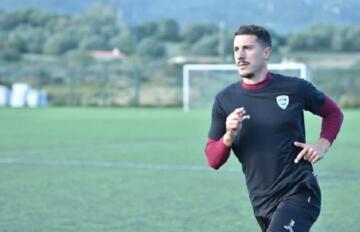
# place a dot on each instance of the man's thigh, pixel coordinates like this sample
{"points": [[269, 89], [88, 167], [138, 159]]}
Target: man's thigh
{"points": [[296, 214]]}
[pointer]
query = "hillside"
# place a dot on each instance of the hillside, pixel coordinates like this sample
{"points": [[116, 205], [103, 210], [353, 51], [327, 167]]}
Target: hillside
{"points": [[283, 16]]}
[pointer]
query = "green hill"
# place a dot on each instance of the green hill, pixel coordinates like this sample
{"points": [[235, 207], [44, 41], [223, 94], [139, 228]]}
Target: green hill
{"points": [[283, 16]]}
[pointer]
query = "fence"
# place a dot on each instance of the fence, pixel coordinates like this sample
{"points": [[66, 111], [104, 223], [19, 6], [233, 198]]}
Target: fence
{"points": [[159, 84]]}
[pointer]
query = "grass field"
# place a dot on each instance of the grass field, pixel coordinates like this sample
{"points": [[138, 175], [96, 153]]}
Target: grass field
{"points": [[64, 169]]}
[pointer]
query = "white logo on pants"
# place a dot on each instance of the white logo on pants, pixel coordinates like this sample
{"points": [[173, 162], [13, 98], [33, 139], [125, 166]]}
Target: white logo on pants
{"points": [[290, 226]]}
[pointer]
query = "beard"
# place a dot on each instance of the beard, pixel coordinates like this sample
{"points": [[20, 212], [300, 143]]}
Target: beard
{"points": [[247, 75]]}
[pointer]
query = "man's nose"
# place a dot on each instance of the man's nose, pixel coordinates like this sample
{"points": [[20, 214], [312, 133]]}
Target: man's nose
{"points": [[240, 55]]}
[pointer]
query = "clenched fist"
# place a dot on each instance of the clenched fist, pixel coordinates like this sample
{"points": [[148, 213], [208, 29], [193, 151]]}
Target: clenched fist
{"points": [[233, 125]]}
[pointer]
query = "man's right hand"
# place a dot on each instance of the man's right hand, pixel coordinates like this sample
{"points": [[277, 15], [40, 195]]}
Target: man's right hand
{"points": [[233, 125]]}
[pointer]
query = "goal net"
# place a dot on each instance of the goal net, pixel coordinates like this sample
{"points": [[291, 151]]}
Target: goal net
{"points": [[201, 82]]}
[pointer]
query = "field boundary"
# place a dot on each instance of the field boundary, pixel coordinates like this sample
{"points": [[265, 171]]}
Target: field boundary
{"points": [[92, 147]]}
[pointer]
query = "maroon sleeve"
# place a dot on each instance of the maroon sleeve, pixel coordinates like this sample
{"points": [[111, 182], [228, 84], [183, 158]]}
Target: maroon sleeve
{"points": [[217, 153], [332, 118]]}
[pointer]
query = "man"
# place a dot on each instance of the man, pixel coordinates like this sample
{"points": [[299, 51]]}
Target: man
{"points": [[261, 120]]}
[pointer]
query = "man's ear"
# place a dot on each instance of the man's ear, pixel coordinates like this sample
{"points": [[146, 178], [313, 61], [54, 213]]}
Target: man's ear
{"points": [[267, 53]]}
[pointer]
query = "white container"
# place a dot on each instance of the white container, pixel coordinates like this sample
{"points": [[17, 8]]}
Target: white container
{"points": [[36, 98], [43, 98], [18, 95], [33, 98], [4, 96]]}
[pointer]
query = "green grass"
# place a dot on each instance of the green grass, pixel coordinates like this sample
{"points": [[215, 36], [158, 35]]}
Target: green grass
{"points": [[65, 169]]}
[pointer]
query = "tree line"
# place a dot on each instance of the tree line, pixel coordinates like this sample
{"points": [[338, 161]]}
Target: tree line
{"points": [[37, 32], [33, 31]]}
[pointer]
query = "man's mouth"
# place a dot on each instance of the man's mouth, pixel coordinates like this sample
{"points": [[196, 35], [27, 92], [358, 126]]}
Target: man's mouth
{"points": [[242, 63]]}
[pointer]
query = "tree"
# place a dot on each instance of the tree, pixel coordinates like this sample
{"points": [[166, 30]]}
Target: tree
{"points": [[125, 42], [207, 45], [16, 43], [194, 32], [316, 38], [326, 38], [33, 37], [36, 17], [229, 47], [102, 18], [9, 54], [296, 42], [276, 40], [151, 48], [59, 44], [94, 42], [10, 20], [9, 51], [168, 30], [351, 38], [144, 30], [338, 42]]}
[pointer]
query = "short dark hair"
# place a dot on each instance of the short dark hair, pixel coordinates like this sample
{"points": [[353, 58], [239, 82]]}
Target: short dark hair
{"points": [[261, 33]]}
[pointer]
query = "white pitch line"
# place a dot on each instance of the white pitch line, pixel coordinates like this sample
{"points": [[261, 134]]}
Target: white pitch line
{"points": [[92, 147], [151, 166], [107, 164]]}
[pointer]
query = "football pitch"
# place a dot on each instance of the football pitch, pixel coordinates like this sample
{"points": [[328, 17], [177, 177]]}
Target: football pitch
{"points": [[143, 169]]}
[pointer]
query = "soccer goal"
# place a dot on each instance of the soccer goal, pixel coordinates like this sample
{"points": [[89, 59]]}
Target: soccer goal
{"points": [[201, 82]]}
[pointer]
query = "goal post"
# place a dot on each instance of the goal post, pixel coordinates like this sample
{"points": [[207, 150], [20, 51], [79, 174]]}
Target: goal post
{"points": [[300, 68]]}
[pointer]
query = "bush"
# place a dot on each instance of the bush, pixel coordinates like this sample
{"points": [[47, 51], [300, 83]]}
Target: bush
{"points": [[151, 47], [349, 101], [10, 55]]}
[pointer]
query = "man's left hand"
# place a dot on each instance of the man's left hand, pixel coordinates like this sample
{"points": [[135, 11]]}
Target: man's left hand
{"points": [[310, 152]]}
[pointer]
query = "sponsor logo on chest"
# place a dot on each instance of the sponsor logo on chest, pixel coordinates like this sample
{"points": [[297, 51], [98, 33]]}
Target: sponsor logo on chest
{"points": [[282, 101]]}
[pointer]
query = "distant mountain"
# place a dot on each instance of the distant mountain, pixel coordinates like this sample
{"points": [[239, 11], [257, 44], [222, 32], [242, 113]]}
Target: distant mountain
{"points": [[282, 16]]}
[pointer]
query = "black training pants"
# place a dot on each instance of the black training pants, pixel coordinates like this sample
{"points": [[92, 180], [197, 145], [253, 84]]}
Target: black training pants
{"points": [[295, 214]]}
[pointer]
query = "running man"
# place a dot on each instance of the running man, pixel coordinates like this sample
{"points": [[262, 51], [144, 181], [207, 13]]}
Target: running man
{"points": [[261, 119]]}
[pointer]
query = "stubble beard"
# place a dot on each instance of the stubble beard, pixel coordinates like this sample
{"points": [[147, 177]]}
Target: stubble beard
{"points": [[247, 75], [245, 72]]}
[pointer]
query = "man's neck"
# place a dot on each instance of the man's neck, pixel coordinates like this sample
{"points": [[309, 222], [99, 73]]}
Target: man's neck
{"points": [[258, 77], [258, 85]]}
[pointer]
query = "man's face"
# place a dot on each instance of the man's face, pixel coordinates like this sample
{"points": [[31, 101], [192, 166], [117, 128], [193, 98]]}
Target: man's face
{"points": [[250, 56]]}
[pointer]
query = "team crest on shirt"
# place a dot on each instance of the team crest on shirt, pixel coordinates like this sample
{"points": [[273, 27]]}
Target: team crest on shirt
{"points": [[282, 101]]}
